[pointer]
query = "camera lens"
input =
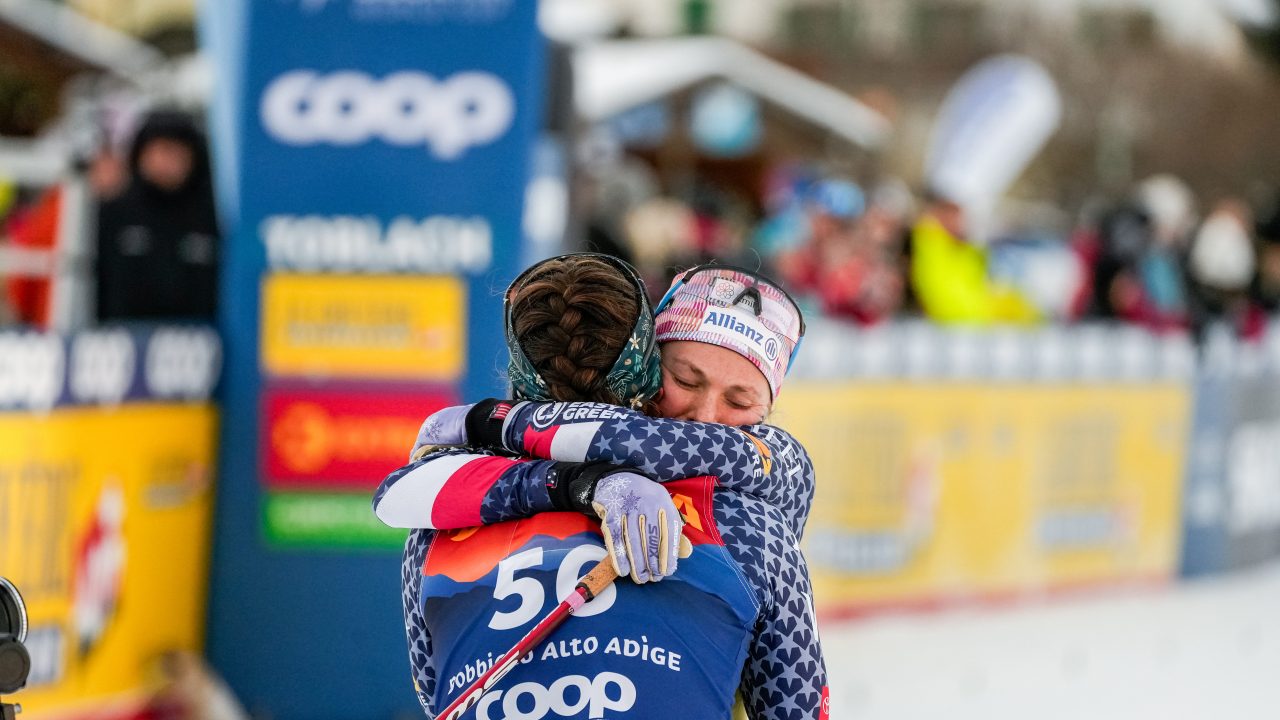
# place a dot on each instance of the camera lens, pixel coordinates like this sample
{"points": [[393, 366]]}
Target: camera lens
{"points": [[15, 663], [15, 666], [13, 613]]}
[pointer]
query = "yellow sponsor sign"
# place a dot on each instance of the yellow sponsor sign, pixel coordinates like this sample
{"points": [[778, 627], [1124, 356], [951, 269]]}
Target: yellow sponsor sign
{"points": [[934, 491], [104, 528], [364, 326]]}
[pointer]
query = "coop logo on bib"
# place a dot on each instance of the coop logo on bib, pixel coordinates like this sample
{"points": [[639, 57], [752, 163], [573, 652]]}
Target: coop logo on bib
{"points": [[349, 108], [564, 698]]}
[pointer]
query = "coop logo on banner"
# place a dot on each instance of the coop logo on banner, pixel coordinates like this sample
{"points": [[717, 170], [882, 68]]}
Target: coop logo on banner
{"points": [[327, 437], [408, 108]]}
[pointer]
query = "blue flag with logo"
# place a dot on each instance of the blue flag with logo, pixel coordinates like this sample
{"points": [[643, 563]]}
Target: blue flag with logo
{"points": [[355, 140]]}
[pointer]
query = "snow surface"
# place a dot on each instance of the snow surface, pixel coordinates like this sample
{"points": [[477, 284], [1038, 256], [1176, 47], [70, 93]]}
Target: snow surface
{"points": [[1202, 649]]}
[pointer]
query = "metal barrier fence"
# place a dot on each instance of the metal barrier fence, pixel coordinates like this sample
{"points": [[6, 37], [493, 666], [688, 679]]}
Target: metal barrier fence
{"points": [[918, 350]]}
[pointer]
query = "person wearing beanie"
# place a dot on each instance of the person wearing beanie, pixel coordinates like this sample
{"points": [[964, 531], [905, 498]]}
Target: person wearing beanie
{"points": [[158, 241], [1221, 265]]}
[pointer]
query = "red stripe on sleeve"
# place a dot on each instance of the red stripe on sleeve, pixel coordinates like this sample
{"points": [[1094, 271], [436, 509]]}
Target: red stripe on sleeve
{"points": [[458, 504], [538, 442]]}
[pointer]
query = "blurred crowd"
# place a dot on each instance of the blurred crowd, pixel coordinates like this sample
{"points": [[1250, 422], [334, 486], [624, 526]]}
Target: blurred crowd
{"points": [[1155, 262], [1156, 258], [1159, 257]]}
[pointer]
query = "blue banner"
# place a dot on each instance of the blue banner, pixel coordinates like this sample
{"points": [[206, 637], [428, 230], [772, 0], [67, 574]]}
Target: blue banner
{"points": [[1252, 471], [1204, 502], [1231, 504], [108, 365], [353, 139]]}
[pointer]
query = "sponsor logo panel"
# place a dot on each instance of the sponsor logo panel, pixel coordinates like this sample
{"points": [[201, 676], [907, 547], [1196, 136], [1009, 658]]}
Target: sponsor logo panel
{"points": [[336, 438], [104, 527], [391, 327], [439, 244], [1050, 486], [349, 108], [326, 519]]}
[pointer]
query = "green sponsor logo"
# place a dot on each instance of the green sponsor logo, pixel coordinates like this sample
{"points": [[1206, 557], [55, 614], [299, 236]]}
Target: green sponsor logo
{"points": [[326, 520]]}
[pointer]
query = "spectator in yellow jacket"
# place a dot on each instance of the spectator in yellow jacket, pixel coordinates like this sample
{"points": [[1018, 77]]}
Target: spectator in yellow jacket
{"points": [[949, 274]]}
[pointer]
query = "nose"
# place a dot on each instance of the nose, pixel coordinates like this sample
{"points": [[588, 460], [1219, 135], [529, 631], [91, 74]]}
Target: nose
{"points": [[703, 409]]}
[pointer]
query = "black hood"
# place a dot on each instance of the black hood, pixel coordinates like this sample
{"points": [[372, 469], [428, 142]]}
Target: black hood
{"points": [[180, 127]]}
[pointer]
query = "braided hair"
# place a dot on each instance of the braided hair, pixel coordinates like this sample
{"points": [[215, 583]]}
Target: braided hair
{"points": [[572, 319]]}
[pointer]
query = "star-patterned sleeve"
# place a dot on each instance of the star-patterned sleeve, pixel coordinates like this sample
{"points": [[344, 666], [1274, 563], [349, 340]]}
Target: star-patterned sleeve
{"points": [[786, 636], [460, 488], [421, 657], [785, 676], [760, 460]]}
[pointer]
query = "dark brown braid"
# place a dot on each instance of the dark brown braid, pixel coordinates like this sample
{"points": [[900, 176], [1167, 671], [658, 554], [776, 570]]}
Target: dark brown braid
{"points": [[572, 319]]}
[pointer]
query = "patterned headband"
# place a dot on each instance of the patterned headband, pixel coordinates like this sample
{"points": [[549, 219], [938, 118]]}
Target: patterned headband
{"points": [[737, 309], [636, 376]]}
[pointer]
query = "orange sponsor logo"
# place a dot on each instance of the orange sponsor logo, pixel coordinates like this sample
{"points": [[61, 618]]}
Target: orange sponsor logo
{"points": [[766, 457], [685, 505], [307, 438]]}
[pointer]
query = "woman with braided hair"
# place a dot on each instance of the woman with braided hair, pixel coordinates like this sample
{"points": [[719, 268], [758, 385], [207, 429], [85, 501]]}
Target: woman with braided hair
{"points": [[738, 615], [571, 314]]}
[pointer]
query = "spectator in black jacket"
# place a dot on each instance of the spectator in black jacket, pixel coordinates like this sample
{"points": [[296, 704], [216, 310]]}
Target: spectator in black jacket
{"points": [[158, 244]]}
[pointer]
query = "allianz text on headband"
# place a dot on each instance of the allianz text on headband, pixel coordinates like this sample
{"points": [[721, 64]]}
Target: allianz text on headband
{"points": [[750, 292]]}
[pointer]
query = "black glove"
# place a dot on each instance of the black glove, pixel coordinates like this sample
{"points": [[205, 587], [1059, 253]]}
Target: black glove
{"points": [[484, 423], [572, 486]]}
